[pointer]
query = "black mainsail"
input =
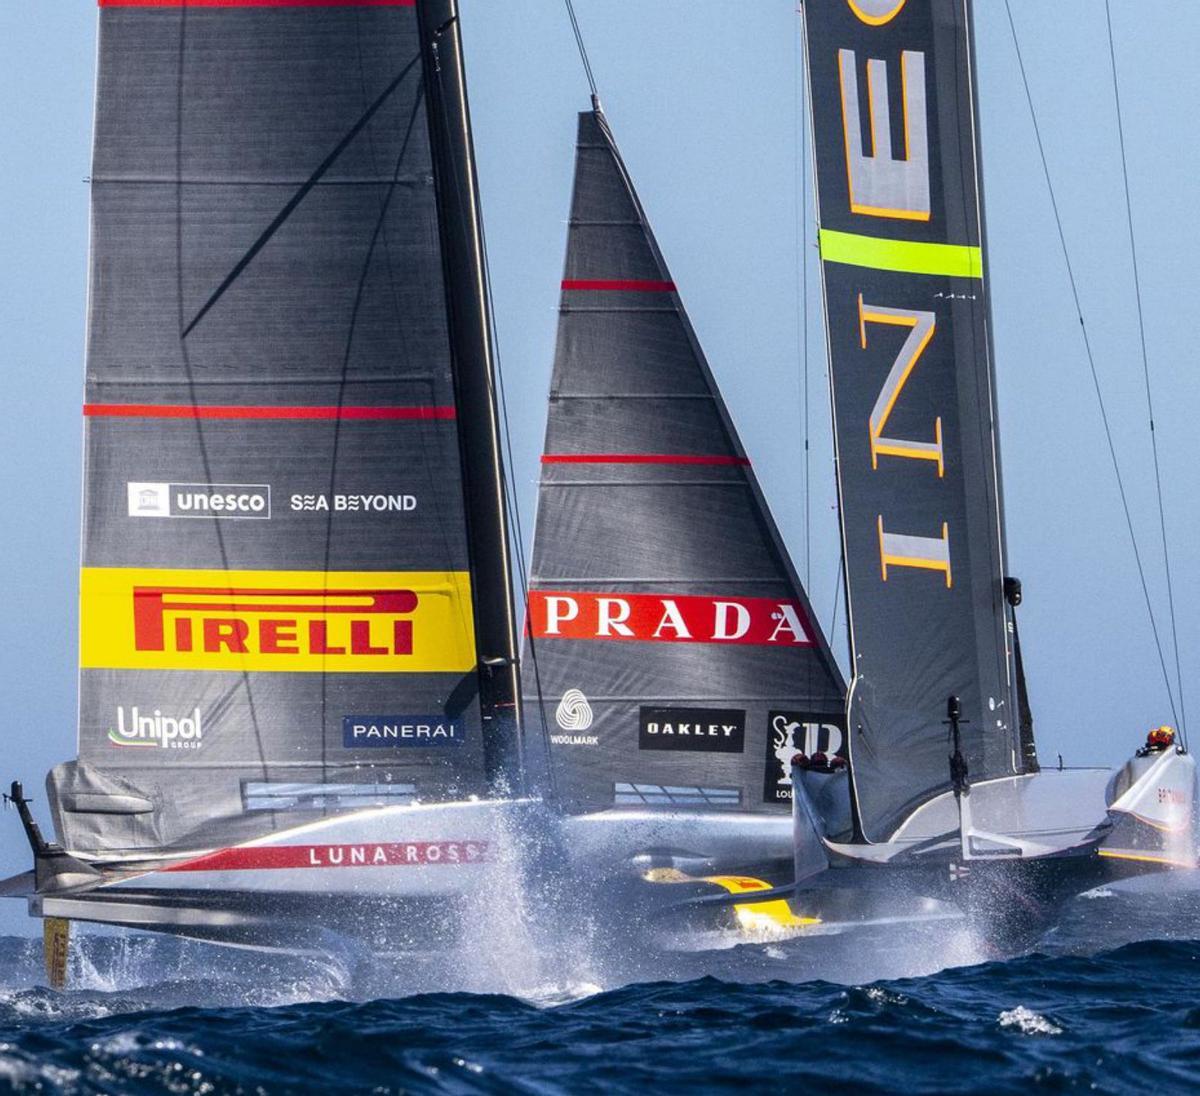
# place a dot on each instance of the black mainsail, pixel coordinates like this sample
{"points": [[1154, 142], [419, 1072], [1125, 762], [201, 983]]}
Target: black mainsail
{"points": [[294, 593], [901, 238], [678, 660]]}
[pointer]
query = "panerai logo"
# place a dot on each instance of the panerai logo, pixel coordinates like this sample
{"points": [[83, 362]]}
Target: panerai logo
{"points": [[401, 730], [139, 728], [199, 500]]}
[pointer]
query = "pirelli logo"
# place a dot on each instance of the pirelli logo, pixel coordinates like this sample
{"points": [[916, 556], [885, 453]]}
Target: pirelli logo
{"points": [[289, 621]]}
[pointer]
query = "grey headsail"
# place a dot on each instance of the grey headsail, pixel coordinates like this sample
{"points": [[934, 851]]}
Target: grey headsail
{"points": [[294, 551], [678, 659], [901, 236]]}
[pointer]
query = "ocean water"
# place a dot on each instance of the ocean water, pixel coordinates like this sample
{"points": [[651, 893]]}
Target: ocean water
{"points": [[1088, 1011]]}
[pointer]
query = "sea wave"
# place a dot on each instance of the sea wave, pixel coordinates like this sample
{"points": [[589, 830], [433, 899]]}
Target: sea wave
{"points": [[1120, 1021], [513, 1013]]}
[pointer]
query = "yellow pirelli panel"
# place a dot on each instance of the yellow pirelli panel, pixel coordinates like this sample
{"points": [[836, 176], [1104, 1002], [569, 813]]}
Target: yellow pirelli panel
{"points": [[286, 621]]}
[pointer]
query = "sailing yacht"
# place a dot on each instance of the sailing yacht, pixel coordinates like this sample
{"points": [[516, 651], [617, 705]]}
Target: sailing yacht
{"points": [[671, 655], [947, 798], [300, 712], [298, 676]]}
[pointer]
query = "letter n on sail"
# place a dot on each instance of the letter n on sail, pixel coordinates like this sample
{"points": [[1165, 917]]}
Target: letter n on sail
{"points": [[921, 325]]}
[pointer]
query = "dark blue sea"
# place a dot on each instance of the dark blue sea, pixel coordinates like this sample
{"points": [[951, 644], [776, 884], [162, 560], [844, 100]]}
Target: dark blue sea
{"points": [[1110, 1003]]}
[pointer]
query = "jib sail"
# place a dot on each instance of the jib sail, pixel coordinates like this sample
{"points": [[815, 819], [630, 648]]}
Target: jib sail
{"points": [[678, 660], [287, 428], [901, 237]]}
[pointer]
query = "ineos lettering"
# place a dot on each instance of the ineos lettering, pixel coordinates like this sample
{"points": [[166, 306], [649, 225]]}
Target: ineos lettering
{"points": [[882, 185], [921, 328], [876, 13]]}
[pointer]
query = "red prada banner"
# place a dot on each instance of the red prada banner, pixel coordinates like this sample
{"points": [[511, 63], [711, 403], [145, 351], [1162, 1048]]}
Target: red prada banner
{"points": [[577, 614]]}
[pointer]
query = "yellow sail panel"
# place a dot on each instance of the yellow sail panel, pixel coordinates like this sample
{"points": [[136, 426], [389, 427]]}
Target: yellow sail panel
{"points": [[285, 621]]}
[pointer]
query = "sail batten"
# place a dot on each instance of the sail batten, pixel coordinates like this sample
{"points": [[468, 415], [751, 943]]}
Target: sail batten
{"points": [[675, 649]]}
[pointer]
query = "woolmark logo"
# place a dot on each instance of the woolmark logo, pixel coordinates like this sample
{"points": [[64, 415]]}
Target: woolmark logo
{"points": [[199, 500], [157, 731], [573, 713]]}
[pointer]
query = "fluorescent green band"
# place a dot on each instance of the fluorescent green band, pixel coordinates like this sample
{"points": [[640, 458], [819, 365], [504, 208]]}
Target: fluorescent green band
{"points": [[949, 260]]}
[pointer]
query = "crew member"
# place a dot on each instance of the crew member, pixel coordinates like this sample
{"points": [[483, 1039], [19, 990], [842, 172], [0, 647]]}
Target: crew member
{"points": [[1158, 740]]}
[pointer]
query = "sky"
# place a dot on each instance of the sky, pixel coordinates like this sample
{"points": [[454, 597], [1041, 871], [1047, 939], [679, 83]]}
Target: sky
{"points": [[705, 100]]}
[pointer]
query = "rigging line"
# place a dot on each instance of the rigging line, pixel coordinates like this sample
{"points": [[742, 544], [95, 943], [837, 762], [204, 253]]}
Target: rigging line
{"points": [[185, 357], [514, 507], [837, 597], [335, 444], [299, 196], [583, 55], [1137, 285], [494, 375], [1087, 345], [801, 174]]}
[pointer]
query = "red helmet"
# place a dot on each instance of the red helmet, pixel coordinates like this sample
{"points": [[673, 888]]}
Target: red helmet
{"points": [[1161, 737]]}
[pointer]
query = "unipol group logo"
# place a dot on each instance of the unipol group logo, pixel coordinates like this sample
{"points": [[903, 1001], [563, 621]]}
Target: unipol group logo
{"points": [[765, 621], [140, 729], [199, 500], [303, 621]]}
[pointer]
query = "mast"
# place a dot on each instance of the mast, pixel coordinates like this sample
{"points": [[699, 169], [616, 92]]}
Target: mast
{"points": [[474, 382], [1027, 755]]}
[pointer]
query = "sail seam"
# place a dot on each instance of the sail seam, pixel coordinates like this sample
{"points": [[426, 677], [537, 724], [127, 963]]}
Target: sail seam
{"points": [[739, 483], [640, 458], [295, 380], [717, 581], [198, 411], [632, 396], [153, 180], [257, 3], [633, 285]]}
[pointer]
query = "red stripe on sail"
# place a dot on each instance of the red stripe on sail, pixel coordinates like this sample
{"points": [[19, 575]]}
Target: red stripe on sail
{"points": [[187, 411], [619, 284], [639, 458], [368, 854], [258, 3]]}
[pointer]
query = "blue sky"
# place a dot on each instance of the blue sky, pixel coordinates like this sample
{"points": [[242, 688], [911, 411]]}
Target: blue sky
{"points": [[704, 98]]}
